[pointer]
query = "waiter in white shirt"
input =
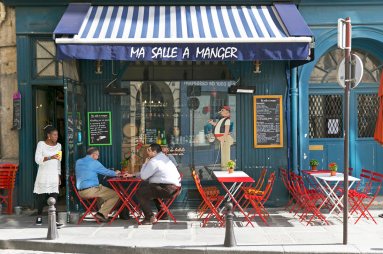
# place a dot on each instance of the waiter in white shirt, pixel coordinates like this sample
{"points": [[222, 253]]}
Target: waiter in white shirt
{"points": [[164, 181], [221, 132]]}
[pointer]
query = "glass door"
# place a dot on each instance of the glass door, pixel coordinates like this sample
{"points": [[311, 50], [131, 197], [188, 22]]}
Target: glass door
{"points": [[74, 97]]}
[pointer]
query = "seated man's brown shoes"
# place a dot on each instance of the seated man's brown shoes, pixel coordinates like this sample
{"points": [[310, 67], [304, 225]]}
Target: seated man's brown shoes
{"points": [[101, 218], [149, 221]]}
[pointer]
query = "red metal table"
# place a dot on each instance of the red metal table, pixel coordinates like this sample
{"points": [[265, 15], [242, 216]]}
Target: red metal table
{"points": [[237, 178], [125, 196]]}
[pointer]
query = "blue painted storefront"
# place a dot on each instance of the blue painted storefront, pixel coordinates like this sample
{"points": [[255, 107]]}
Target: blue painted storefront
{"points": [[367, 34], [39, 22]]}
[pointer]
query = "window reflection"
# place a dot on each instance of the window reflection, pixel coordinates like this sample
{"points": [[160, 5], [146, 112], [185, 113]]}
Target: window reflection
{"points": [[325, 70], [158, 112]]}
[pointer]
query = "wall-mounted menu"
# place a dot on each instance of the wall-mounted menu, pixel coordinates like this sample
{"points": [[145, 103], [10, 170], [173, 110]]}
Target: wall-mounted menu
{"points": [[99, 128], [16, 111], [151, 135], [268, 121]]}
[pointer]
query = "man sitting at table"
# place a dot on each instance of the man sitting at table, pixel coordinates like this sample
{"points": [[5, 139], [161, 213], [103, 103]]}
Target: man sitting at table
{"points": [[88, 186], [164, 181]]}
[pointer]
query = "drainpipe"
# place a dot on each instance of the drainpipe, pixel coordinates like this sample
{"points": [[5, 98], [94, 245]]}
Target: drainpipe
{"points": [[2, 13], [294, 120]]}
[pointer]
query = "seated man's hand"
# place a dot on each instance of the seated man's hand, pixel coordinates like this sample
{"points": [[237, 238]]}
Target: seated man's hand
{"points": [[127, 175], [147, 160], [118, 172]]}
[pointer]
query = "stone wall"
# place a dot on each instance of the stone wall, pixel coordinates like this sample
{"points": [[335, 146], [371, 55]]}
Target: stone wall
{"points": [[9, 139]]}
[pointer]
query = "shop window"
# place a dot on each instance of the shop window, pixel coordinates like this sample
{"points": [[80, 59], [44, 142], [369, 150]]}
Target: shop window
{"points": [[158, 112], [368, 109], [325, 70], [172, 70], [45, 61], [326, 116]]}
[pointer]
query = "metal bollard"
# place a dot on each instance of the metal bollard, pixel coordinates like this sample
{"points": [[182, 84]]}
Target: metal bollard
{"points": [[52, 227], [229, 234]]}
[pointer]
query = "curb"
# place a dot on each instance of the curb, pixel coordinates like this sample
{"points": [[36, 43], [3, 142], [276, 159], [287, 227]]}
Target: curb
{"points": [[52, 246]]}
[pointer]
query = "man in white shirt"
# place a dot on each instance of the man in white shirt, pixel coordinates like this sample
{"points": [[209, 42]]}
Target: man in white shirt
{"points": [[164, 181], [221, 132]]}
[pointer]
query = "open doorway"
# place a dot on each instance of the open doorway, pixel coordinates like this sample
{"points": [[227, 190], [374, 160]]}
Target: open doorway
{"points": [[50, 110]]}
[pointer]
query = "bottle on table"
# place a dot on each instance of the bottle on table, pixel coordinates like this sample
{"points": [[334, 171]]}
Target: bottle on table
{"points": [[163, 139], [159, 139]]}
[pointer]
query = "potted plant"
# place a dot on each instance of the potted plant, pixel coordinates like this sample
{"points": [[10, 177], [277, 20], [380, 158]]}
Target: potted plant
{"points": [[314, 164], [124, 165], [333, 167], [231, 164]]}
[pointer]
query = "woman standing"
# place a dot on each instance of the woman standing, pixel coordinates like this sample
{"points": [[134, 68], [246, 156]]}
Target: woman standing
{"points": [[48, 175]]}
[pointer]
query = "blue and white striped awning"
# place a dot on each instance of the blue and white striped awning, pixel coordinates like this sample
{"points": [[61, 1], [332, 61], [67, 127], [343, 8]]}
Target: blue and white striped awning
{"points": [[118, 27]]}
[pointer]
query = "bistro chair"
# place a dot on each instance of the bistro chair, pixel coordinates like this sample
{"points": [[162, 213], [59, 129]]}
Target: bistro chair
{"points": [[258, 198], [359, 197], [255, 189], [212, 203], [365, 179], [90, 204], [7, 182], [210, 192], [288, 186], [308, 198], [167, 204]]}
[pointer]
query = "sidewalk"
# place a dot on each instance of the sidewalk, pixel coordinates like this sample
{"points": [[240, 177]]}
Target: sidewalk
{"points": [[284, 235]]}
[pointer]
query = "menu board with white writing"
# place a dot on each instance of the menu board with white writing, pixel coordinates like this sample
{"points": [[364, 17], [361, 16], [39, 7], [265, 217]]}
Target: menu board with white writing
{"points": [[268, 121], [99, 128]]}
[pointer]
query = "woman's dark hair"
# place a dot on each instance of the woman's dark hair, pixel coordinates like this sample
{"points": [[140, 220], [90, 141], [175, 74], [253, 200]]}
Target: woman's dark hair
{"points": [[48, 130], [156, 147]]}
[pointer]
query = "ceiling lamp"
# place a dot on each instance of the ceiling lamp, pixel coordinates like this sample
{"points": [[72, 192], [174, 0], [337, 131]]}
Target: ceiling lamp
{"points": [[241, 89], [116, 91]]}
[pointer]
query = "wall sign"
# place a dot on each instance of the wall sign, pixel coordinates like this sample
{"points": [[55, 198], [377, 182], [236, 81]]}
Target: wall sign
{"points": [[268, 121], [151, 135], [16, 111], [99, 128]]}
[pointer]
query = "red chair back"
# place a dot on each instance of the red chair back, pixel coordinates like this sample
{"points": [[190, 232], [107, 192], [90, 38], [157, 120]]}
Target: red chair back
{"points": [[365, 177]]}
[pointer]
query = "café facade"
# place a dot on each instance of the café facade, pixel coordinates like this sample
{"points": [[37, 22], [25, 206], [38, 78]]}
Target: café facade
{"points": [[121, 76]]}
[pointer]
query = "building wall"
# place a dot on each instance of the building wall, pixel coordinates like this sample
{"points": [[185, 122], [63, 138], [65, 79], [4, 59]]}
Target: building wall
{"points": [[9, 147], [322, 17]]}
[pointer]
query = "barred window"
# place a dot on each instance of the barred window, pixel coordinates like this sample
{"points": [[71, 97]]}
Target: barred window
{"points": [[45, 61], [326, 116], [368, 109], [325, 69]]}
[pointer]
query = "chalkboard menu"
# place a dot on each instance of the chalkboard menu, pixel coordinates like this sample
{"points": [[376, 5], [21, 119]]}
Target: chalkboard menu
{"points": [[151, 136], [99, 128], [16, 111], [268, 121]]}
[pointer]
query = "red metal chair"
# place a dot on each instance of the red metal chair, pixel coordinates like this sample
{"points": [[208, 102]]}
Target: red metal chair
{"points": [[245, 189], [166, 205], [7, 182], [286, 181], [308, 198], [258, 198], [365, 179], [90, 204], [358, 197], [212, 203], [210, 191]]}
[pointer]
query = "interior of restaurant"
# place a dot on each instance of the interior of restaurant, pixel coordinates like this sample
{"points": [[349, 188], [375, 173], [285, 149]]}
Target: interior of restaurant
{"points": [[160, 110]]}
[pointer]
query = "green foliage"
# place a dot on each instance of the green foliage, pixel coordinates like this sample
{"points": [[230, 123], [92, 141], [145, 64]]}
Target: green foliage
{"points": [[231, 164], [314, 163], [124, 163]]}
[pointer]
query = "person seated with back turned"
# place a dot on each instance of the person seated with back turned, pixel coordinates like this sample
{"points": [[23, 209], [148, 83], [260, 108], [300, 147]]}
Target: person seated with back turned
{"points": [[88, 186], [164, 181]]}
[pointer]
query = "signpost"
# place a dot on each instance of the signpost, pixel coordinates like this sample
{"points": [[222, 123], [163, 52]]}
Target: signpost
{"points": [[344, 42]]}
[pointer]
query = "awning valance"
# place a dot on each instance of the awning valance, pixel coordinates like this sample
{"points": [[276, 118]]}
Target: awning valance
{"points": [[183, 33]]}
